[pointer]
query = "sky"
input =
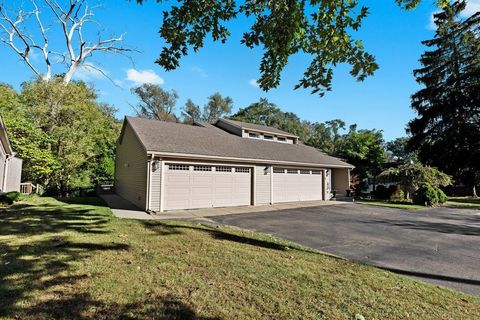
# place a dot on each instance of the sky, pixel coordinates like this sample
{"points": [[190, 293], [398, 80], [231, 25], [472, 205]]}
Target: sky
{"points": [[381, 102]]}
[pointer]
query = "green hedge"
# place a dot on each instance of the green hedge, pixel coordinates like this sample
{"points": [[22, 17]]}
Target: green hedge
{"points": [[10, 197], [429, 195]]}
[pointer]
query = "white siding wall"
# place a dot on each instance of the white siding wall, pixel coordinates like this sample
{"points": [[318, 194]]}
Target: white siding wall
{"points": [[14, 175], [131, 169], [2, 166], [155, 192], [262, 187]]}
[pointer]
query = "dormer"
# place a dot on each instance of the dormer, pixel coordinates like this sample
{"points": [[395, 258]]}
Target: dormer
{"points": [[255, 131]]}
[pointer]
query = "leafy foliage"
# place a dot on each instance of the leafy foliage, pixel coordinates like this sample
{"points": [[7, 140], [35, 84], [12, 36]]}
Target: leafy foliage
{"points": [[216, 108], [429, 195], [64, 136], [191, 112], [446, 132], [400, 152], [364, 149], [411, 176], [155, 102]]}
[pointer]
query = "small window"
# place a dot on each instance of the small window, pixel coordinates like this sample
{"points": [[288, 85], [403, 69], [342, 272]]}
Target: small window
{"points": [[304, 171], [202, 168], [278, 170], [266, 137], [223, 169], [281, 139], [292, 171], [316, 172], [178, 167], [253, 135], [242, 170]]}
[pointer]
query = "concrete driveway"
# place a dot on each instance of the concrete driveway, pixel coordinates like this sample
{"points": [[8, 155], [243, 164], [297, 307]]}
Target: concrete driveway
{"points": [[440, 246]]}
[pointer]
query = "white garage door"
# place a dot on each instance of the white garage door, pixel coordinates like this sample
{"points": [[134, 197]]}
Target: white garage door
{"points": [[296, 185], [203, 186]]}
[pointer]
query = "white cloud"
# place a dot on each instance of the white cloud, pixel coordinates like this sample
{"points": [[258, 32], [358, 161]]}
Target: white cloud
{"points": [[253, 83], [143, 76], [88, 72], [199, 71], [473, 6]]}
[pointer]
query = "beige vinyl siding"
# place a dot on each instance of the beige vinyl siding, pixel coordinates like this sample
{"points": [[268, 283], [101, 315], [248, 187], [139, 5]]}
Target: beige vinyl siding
{"points": [[341, 180], [155, 184], [14, 175], [131, 169], [3, 157], [262, 185]]}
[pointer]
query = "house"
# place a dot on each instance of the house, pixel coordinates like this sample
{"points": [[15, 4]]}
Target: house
{"points": [[10, 166], [164, 166]]}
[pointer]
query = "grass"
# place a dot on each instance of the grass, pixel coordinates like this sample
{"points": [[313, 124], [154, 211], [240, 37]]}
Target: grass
{"points": [[74, 260], [466, 202], [396, 205]]}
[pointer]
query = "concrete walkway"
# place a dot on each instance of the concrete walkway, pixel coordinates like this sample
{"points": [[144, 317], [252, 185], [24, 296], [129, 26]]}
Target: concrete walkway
{"points": [[122, 208]]}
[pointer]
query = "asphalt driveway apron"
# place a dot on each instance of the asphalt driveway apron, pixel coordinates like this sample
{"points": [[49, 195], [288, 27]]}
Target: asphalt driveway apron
{"points": [[440, 246]]}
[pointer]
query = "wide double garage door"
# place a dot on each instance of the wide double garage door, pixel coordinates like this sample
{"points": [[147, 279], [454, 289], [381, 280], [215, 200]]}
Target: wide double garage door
{"points": [[206, 186], [291, 185]]}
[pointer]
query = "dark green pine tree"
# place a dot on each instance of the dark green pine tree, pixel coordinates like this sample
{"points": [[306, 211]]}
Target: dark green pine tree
{"points": [[446, 132]]}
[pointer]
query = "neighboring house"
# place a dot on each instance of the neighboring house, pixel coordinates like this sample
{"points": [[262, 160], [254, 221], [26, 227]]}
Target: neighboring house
{"points": [[10, 166], [170, 166]]}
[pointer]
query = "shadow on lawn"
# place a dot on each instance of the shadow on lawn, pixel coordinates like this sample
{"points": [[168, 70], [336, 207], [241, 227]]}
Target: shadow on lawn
{"points": [[38, 277], [166, 229], [81, 306]]}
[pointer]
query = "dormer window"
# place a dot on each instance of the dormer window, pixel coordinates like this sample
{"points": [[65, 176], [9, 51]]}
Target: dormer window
{"points": [[267, 137], [253, 135], [281, 139]]}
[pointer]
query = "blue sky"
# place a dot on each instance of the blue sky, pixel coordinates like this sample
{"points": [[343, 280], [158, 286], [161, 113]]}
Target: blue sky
{"points": [[380, 102]]}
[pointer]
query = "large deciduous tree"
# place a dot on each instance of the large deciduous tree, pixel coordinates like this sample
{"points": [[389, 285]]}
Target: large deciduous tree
{"points": [[217, 107], [155, 102], [446, 132], [66, 139], [55, 30], [365, 150], [323, 30]]}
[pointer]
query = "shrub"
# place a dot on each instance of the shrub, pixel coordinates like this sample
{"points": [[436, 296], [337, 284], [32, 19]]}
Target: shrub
{"points": [[429, 195], [381, 192], [14, 195], [4, 200], [442, 197], [395, 193]]}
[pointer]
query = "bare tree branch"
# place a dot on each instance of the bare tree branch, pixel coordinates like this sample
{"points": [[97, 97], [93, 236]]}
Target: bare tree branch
{"points": [[72, 17]]}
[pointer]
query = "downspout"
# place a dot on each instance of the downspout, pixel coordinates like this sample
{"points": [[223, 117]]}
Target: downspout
{"points": [[5, 171], [149, 179]]}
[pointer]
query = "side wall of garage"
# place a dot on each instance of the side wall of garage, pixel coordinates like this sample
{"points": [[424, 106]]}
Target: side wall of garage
{"points": [[262, 186], [131, 169], [341, 180]]}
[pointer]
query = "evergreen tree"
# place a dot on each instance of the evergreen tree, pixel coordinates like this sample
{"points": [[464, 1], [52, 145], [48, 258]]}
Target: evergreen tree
{"points": [[446, 132]]}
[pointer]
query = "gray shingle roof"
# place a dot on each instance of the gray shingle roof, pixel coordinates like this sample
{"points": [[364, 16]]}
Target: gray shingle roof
{"points": [[257, 127], [168, 137]]}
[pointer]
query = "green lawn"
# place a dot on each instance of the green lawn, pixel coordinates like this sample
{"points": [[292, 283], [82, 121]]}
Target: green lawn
{"points": [[76, 261], [467, 202], [380, 203]]}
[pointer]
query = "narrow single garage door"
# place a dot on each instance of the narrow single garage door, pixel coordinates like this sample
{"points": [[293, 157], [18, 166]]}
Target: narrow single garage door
{"points": [[204, 186], [296, 185]]}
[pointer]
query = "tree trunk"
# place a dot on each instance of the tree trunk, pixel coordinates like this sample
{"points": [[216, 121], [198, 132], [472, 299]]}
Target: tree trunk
{"points": [[69, 75], [474, 193]]}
